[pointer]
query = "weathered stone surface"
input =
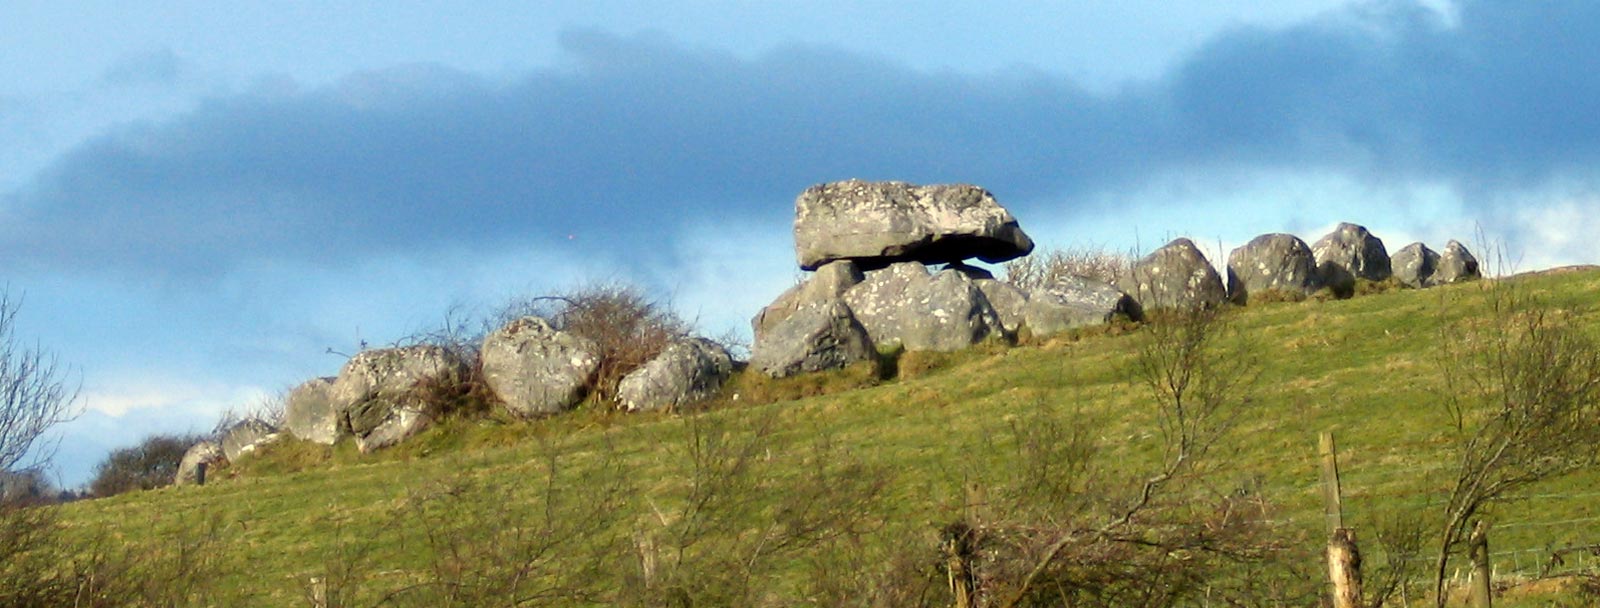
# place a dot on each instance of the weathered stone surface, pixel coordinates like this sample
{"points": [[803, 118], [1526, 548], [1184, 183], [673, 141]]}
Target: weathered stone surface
{"points": [[1277, 262], [537, 370], [1414, 265], [1456, 264], [1009, 303], [1348, 253], [205, 452], [903, 305], [308, 412], [244, 437], [880, 223], [819, 337], [1176, 275], [687, 371], [381, 395], [1072, 301], [829, 282]]}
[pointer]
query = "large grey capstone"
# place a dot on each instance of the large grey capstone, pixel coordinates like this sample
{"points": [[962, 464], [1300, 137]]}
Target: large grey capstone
{"points": [[1072, 301], [1272, 262], [537, 370], [827, 283], [687, 371], [383, 395], [1456, 264], [309, 414], [1177, 275], [1349, 253], [207, 453], [903, 305], [880, 223], [1414, 265], [246, 437], [815, 338]]}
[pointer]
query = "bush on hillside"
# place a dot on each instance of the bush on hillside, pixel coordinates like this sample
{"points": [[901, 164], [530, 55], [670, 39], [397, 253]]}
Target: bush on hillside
{"points": [[1043, 268], [151, 464]]}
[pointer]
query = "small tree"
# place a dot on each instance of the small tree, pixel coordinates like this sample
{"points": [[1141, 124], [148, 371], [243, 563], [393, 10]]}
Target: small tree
{"points": [[33, 394], [153, 463]]}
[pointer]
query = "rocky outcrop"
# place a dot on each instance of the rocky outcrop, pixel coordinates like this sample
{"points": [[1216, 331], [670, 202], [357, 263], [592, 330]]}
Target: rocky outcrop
{"points": [[829, 282], [1349, 253], [1071, 301], [246, 437], [904, 305], [819, 337], [1272, 262], [687, 371], [536, 370], [1414, 265], [881, 223], [382, 395], [207, 453], [1174, 276], [309, 414], [1456, 264]]}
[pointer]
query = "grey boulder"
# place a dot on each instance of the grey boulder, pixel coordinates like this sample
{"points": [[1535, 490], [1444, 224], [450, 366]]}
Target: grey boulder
{"points": [[207, 453], [1456, 264], [383, 395], [829, 282], [309, 414], [1349, 253], [880, 223], [687, 371], [1271, 262], [537, 370], [1072, 301], [903, 305], [819, 337], [1415, 265], [1177, 275], [1009, 302], [246, 437]]}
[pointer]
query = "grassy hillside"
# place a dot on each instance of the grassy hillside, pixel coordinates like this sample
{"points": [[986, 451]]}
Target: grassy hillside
{"points": [[898, 454]]}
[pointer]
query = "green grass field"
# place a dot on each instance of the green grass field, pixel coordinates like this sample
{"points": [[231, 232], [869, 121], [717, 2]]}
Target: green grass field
{"points": [[1366, 369]]}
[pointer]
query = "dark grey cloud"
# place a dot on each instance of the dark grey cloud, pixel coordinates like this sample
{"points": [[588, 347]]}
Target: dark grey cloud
{"points": [[639, 134]]}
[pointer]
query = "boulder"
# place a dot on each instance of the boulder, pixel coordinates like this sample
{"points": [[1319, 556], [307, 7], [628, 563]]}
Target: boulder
{"points": [[536, 370], [1414, 265], [205, 452], [880, 223], [1073, 301], [308, 412], [687, 371], [903, 305], [1349, 253], [1456, 264], [382, 395], [1275, 262], [1010, 303], [1176, 275], [829, 282], [819, 337], [245, 437]]}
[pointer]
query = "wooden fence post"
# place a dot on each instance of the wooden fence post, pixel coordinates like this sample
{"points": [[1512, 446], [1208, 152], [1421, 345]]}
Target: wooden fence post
{"points": [[200, 474], [1478, 552], [1344, 569], [1332, 500]]}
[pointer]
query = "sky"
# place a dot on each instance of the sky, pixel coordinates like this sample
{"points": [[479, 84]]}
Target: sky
{"points": [[203, 204]]}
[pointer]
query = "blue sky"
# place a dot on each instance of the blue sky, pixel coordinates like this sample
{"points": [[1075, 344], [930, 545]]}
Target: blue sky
{"points": [[199, 200]]}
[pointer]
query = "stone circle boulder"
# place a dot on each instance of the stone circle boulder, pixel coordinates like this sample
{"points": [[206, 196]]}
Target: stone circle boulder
{"points": [[382, 395], [1072, 301], [1414, 265], [815, 338], [880, 223], [1177, 275], [829, 282], [246, 437], [205, 452], [1456, 264], [1009, 302], [1349, 253], [687, 371], [1272, 262], [537, 370], [309, 414], [904, 305]]}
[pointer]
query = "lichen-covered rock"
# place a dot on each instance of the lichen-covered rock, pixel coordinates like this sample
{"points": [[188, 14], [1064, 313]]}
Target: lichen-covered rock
{"points": [[1414, 265], [1271, 262], [245, 437], [687, 371], [1010, 303], [819, 337], [1456, 264], [904, 305], [1072, 301], [1177, 275], [308, 412], [1349, 253], [829, 282], [537, 370], [384, 395], [880, 223], [205, 452]]}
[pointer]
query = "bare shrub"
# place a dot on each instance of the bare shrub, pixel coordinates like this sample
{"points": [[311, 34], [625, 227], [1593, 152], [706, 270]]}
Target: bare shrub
{"points": [[152, 463], [34, 395], [1041, 269]]}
